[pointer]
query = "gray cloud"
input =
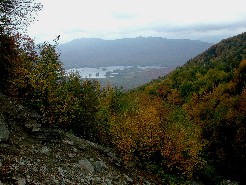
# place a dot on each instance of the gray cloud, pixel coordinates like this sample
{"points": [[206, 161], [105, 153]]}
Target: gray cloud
{"points": [[206, 32], [123, 15], [200, 27], [110, 19]]}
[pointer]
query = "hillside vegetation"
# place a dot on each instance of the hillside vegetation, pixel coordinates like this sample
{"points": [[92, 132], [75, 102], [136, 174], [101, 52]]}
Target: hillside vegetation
{"points": [[187, 126], [205, 114]]}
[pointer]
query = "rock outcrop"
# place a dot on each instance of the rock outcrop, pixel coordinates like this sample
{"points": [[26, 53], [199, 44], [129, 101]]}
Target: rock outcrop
{"points": [[30, 154]]}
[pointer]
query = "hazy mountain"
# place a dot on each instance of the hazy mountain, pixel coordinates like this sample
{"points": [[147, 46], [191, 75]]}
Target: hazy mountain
{"points": [[130, 51]]}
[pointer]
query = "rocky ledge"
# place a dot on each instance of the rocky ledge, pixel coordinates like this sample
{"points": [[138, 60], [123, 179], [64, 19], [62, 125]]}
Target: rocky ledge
{"points": [[30, 154]]}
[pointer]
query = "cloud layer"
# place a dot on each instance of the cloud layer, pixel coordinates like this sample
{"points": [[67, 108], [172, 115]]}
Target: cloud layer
{"points": [[109, 19]]}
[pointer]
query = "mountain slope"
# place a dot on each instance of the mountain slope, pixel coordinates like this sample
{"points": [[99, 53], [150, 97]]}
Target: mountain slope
{"points": [[225, 56], [209, 92], [31, 154], [227, 51], [136, 51]]}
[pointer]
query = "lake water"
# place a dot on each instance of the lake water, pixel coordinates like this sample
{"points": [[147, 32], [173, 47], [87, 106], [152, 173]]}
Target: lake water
{"points": [[100, 72]]}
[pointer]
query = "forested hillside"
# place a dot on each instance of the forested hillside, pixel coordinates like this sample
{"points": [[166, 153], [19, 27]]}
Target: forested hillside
{"points": [[187, 127], [206, 97], [131, 51]]}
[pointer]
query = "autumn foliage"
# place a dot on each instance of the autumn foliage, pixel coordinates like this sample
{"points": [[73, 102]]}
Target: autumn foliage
{"points": [[207, 112], [190, 123]]}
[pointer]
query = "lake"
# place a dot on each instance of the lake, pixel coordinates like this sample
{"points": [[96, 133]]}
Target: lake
{"points": [[104, 72]]}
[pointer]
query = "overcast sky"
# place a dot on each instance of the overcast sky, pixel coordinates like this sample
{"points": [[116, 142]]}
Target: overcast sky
{"points": [[206, 20]]}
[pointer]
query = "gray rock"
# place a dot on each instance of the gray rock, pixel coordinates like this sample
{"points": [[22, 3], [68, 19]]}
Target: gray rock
{"points": [[20, 107], [34, 115], [115, 159], [147, 182], [85, 164], [112, 155], [45, 150], [61, 171], [71, 155], [100, 166], [36, 127], [82, 147], [97, 180], [69, 142], [75, 149], [4, 132], [21, 181], [120, 179], [3, 145], [128, 179], [33, 125], [108, 182], [229, 182], [55, 181]]}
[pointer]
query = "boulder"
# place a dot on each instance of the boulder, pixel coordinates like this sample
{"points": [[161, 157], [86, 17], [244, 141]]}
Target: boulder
{"points": [[44, 149], [128, 179], [100, 166], [21, 181], [85, 164]]}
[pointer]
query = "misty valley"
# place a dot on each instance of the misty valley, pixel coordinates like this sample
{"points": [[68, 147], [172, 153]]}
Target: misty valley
{"points": [[127, 77], [129, 62], [137, 95]]}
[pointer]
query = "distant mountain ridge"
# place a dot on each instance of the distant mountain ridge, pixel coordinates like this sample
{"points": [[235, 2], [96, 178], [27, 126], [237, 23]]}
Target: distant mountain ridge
{"points": [[142, 51]]}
